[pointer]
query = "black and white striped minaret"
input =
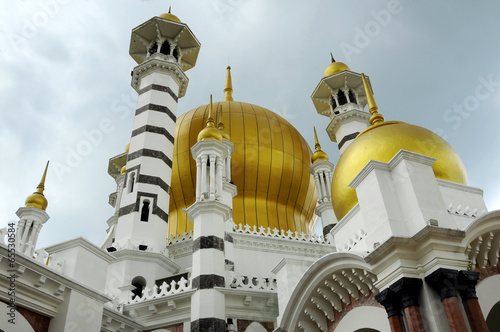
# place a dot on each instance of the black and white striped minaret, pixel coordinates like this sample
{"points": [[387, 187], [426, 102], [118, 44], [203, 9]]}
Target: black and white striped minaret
{"points": [[164, 47], [209, 214]]}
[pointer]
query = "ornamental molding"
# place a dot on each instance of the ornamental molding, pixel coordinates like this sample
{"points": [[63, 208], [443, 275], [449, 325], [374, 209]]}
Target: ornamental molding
{"points": [[160, 65]]}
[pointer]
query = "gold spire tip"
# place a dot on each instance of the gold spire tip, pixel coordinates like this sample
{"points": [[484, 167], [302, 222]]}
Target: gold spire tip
{"points": [[333, 60], [220, 124], [210, 114], [372, 105], [41, 186], [228, 88], [316, 141], [170, 9]]}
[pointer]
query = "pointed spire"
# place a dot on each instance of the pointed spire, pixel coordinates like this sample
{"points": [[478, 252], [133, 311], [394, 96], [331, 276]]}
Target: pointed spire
{"points": [[228, 88], [170, 9], [316, 141], [333, 60], [210, 120], [37, 199], [318, 154], [220, 126], [372, 105]]}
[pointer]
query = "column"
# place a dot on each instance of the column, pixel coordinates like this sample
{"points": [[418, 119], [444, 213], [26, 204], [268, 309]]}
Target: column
{"points": [[409, 290], [443, 282], [467, 281], [392, 304]]}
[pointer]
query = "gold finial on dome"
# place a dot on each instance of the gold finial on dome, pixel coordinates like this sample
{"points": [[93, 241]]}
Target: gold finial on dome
{"points": [[318, 154], [210, 132], [37, 199], [335, 67], [372, 105], [228, 88], [170, 16], [220, 126]]}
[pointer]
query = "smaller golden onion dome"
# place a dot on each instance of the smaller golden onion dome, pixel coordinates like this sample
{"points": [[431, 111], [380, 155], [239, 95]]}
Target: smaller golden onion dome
{"points": [[335, 67], [127, 147], [37, 199], [170, 16], [210, 132], [124, 169], [318, 154]]}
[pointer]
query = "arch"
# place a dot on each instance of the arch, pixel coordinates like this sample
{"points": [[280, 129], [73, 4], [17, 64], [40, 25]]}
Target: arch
{"points": [[165, 48], [352, 98], [21, 323], [309, 297], [493, 319], [145, 210], [488, 293], [131, 181], [153, 49], [255, 327], [342, 98], [374, 320], [139, 283], [482, 240]]}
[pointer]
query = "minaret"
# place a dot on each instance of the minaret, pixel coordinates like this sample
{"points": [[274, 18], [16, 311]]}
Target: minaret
{"points": [[341, 97], [322, 170], [164, 48], [31, 219], [209, 214]]}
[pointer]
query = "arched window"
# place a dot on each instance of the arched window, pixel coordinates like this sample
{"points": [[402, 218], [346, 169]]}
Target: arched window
{"points": [[131, 181], [153, 49], [342, 98], [145, 210], [165, 48], [352, 98], [139, 283], [334, 103], [176, 53]]}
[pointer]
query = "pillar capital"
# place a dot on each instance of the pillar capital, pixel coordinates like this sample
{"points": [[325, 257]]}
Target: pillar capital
{"points": [[391, 302], [408, 289], [467, 281], [443, 281]]}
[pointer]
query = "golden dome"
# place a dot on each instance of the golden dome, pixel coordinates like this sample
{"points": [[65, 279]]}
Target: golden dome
{"points": [[318, 154], [270, 167], [170, 16], [37, 199], [210, 132], [335, 67], [381, 142]]}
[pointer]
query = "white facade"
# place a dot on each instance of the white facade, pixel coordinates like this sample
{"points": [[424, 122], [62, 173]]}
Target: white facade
{"points": [[388, 256]]}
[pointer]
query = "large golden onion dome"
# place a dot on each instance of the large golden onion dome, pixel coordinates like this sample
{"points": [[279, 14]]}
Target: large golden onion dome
{"points": [[381, 142], [270, 168], [170, 16]]}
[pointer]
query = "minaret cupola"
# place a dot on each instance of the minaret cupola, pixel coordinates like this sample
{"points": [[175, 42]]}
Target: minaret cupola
{"points": [[341, 97]]}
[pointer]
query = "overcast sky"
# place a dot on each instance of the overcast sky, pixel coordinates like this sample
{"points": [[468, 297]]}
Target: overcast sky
{"points": [[65, 72]]}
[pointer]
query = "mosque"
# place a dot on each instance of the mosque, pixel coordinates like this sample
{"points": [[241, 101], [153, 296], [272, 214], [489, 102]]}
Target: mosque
{"points": [[215, 210]]}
